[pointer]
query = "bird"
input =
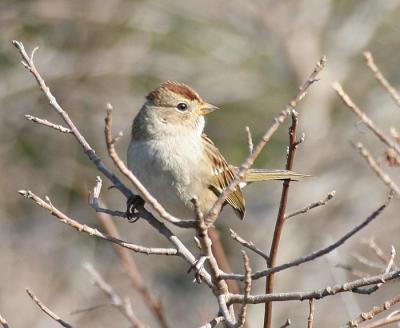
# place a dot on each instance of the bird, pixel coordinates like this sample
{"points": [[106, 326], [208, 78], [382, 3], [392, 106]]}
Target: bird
{"points": [[176, 161]]}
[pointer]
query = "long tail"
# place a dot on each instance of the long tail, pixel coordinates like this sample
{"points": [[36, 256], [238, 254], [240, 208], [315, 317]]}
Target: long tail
{"points": [[254, 175]]}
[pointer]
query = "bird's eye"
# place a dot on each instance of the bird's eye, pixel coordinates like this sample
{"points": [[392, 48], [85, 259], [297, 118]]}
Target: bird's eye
{"points": [[182, 106]]}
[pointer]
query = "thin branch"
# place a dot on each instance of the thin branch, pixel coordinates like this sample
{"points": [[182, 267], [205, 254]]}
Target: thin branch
{"points": [[365, 316], [248, 244], [214, 322], [47, 123], [221, 288], [364, 118], [110, 142], [315, 254], [216, 208], [379, 252], [380, 78], [94, 232], [378, 171], [351, 286], [249, 140], [312, 205], [115, 299], [3, 322], [280, 220], [310, 319], [383, 322], [46, 310], [247, 289]]}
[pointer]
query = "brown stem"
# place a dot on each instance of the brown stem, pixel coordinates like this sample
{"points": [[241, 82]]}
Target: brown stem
{"points": [[273, 254]]}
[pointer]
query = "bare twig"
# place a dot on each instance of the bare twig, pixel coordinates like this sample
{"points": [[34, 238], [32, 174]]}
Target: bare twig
{"points": [[379, 252], [248, 244], [383, 322], [216, 208], [312, 205], [115, 299], [247, 289], [351, 286], [221, 288], [47, 123], [315, 254], [94, 232], [46, 310], [364, 118], [378, 171], [249, 140], [310, 319], [280, 220], [365, 316], [380, 78], [3, 322], [110, 141], [214, 322]]}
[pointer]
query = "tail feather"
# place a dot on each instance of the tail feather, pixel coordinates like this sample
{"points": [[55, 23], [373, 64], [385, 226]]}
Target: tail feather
{"points": [[254, 175]]}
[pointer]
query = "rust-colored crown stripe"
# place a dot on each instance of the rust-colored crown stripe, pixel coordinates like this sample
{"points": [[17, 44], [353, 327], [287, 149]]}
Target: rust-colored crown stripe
{"points": [[178, 88]]}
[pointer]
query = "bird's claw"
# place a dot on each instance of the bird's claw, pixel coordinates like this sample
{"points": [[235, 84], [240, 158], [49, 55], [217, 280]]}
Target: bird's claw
{"points": [[197, 266], [132, 208]]}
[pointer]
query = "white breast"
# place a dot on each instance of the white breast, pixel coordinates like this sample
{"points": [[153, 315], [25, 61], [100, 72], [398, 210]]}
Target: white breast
{"points": [[169, 169]]}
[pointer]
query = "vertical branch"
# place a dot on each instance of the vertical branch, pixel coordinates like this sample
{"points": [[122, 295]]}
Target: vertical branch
{"points": [[310, 319], [280, 219], [247, 289]]}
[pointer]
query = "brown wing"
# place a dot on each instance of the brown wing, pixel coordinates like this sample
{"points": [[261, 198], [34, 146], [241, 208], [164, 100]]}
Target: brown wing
{"points": [[222, 177]]}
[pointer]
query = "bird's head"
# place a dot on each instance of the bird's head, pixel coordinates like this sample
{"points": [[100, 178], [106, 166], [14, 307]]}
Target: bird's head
{"points": [[174, 105]]}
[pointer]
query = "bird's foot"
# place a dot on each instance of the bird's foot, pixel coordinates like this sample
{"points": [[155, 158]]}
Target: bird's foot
{"points": [[197, 266], [133, 205]]}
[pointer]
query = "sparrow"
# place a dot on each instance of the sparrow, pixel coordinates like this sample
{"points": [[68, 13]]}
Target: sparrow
{"points": [[176, 161]]}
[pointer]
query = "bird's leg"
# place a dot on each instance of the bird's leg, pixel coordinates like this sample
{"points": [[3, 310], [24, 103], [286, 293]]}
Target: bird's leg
{"points": [[133, 205]]}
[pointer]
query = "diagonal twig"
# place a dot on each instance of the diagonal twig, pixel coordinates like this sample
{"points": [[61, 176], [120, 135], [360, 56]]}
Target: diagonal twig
{"points": [[216, 208], [312, 205], [364, 118], [315, 254], [248, 244], [47, 123], [115, 299], [46, 310], [94, 232], [380, 78], [377, 170]]}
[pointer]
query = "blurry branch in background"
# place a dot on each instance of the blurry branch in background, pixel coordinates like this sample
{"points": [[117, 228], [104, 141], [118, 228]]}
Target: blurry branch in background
{"points": [[380, 254], [133, 273], [364, 118], [124, 307], [46, 310], [312, 205], [365, 316], [380, 78], [3, 322], [377, 170]]}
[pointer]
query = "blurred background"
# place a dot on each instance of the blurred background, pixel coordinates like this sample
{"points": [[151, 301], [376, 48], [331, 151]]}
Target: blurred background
{"points": [[247, 57]]}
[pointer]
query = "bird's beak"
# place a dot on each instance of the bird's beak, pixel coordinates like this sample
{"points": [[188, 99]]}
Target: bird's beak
{"points": [[205, 109]]}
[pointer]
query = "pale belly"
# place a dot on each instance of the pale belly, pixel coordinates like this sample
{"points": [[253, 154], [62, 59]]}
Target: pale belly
{"points": [[171, 176]]}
